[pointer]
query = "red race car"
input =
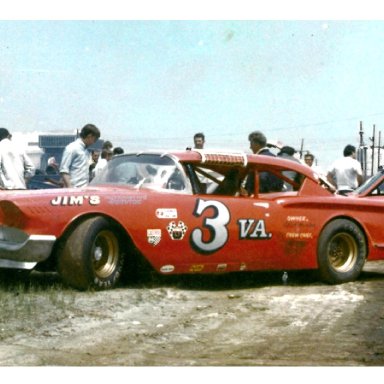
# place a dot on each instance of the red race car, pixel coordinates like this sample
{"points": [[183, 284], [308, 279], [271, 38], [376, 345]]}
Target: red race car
{"points": [[193, 211]]}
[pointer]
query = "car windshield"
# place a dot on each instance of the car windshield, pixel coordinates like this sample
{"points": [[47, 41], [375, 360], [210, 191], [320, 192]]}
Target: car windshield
{"points": [[143, 171]]}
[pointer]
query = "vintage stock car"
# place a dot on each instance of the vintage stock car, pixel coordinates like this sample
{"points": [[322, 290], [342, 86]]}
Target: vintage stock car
{"points": [[189, 212]]}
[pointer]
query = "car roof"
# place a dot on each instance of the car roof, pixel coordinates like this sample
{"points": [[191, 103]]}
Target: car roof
{"points": [[229, 158]]}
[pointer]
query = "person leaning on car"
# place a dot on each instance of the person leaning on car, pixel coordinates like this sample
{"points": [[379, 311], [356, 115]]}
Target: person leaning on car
{"points": [[74, 166], [15, 165], [346, 173], [268, 181]]}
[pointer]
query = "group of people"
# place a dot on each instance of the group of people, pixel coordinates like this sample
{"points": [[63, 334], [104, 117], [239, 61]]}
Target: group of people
{"points": [[345, 174], [76, 169], [78, 166]]}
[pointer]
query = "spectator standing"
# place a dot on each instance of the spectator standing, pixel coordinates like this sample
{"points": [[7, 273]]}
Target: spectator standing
{"points": [[51, 171], [52, 167], [74, 166], [106, 155], [288, 153], [199, 140], [117, 151], [107, 145], [95, 155], [15, 165], [346, 173], [309, 160], [268, 181]]}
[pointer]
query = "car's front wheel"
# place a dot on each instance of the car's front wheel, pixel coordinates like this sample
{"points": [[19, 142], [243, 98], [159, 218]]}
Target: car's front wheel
{"points": [[342, 252], [91, 257]]}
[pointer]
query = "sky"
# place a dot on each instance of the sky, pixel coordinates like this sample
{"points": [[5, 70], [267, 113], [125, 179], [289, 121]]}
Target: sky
{"points": [[154, 83]]}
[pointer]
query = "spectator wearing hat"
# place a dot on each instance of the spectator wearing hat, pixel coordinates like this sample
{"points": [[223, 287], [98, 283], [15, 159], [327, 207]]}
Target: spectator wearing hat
{"points": [[16, 168]]}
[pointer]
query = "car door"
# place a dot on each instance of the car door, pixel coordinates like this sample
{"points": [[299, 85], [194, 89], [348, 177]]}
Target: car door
{"points": [[240, 231]]}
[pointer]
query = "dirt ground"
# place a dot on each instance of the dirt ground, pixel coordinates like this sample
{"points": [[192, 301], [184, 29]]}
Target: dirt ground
{"points": [[250, 319]]}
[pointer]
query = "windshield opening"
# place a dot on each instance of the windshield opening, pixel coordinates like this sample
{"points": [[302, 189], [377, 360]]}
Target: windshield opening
{"points": [[143, 171]]}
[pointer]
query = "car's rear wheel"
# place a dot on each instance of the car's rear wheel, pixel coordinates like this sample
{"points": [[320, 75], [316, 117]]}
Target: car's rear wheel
{"points": [[342, 252], [91, 257]]}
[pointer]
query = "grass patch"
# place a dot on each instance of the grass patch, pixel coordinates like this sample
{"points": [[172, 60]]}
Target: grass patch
{"points": [[27, 303]]}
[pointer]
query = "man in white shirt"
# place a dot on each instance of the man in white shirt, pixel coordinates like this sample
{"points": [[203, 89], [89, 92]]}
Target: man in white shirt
{"points": [[346, 173], [106, 155], [15, 165]]}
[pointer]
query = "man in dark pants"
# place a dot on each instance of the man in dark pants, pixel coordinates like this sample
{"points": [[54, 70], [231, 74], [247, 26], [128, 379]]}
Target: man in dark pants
{"points": [[268, 181]]}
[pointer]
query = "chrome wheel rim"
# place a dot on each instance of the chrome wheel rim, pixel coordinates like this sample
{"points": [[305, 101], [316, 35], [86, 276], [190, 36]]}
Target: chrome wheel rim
{"points": [[105, 254], [342, 252]]}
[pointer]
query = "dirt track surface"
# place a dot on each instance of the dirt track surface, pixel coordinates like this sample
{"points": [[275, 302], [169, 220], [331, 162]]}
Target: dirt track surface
{"points": [[248, 319]]}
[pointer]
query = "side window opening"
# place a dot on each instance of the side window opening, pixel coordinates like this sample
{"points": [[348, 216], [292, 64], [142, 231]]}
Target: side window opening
{"points": [[210, 181], [273, 180]]}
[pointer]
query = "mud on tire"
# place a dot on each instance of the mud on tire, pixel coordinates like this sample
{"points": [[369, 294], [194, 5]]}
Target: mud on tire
{"points": [[341, 252], [91, 256]]}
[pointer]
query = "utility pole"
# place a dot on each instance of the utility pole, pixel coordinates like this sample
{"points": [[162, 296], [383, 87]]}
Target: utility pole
{"points": [[378, 151], [362, 153], [373, 148], [361, 135], [301, 148]]}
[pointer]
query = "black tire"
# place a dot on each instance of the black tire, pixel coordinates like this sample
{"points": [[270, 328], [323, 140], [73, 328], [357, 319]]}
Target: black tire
{"points": [[341, 252], [91, 257]]}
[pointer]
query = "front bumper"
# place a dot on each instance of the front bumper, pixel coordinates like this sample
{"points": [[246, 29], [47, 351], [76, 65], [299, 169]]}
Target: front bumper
{"points": [[21, 250]]}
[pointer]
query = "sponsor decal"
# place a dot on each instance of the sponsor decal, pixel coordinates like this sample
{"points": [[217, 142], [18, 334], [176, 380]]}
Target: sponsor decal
{"points": [[166, 213], [154, 236], [196, 268], [299, 222], [253, 229], [75, 200], [301, 235], [221, 267], [167, 268], [297, 219], [127, 200], [177, 231]]}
